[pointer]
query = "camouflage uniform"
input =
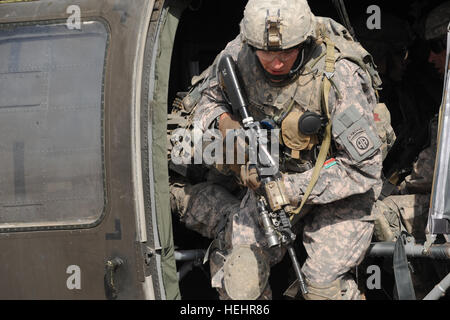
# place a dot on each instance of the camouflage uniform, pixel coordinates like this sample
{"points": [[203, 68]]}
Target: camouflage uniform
{"points": [[338, 231], [408, 211]]}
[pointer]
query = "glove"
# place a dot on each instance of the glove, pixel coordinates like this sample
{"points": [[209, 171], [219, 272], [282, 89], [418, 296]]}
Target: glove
{"points": [[249, 177], [230, 122]]}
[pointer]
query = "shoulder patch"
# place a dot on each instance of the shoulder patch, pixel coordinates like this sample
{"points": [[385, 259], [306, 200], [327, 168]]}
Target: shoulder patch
{"points": [[354, 133], [360, 140]]}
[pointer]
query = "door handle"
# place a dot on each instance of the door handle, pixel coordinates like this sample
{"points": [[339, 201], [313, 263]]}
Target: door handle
{"points": [[111, 267]]}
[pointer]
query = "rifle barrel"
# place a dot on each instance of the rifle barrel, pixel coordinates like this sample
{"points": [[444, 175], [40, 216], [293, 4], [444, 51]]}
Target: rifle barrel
{"points": [[297, 270]]}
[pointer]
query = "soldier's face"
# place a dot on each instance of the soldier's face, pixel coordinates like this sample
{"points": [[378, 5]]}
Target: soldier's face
{"points": [[278, 62], [437, 55], [438, 61]]}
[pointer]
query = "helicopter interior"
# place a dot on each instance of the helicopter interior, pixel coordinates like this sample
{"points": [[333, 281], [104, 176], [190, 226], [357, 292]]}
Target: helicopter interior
{"points": [[204, 29]]}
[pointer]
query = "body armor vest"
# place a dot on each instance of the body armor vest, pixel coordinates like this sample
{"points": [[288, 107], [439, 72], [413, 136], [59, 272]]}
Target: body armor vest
{"points": [[285, 105]]}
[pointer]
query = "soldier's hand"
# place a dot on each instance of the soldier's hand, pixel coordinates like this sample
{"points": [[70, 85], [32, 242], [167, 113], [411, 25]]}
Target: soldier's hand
{"points": [[228, 122], [249, 177]]}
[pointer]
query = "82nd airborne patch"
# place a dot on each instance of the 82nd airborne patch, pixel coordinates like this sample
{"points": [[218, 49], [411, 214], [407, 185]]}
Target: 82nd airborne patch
{"points": [[360, 141]]}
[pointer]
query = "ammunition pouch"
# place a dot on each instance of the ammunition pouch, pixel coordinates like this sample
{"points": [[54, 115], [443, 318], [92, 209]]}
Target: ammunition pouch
{"points": [[293, 138]]}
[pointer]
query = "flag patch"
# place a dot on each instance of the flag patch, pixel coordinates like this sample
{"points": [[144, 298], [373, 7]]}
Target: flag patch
{"points": [[329, 163]]}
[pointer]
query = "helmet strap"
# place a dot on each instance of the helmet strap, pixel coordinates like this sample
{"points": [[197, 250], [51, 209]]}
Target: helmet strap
{"points": [[298, 63]]}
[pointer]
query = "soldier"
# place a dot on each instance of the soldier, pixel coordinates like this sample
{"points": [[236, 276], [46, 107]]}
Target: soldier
{"points": [[411, 90], [284, 54], [421, 177], [409, 210], [435, 33]]}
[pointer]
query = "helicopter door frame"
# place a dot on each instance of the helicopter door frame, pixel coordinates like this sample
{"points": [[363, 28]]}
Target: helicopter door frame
{"points": [[104, 256]]}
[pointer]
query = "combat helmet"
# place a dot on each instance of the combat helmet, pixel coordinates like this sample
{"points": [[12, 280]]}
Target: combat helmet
{"points": [[277, 24], [437, 22]]}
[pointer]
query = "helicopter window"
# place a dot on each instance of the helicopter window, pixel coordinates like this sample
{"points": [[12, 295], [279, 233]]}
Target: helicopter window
{"points": [[51, 125]]}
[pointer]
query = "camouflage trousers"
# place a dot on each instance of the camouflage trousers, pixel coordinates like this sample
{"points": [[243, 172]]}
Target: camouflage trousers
{"points": [[399, 213], [335, 237]]}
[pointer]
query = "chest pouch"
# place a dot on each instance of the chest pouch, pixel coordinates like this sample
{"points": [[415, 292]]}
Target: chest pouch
{"points": [[293, 138]]}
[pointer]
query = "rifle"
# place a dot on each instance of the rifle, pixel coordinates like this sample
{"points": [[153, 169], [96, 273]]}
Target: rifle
{"points": [[272, 204]]}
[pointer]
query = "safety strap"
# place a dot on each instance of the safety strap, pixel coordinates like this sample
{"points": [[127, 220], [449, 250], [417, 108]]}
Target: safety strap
{"points": [[330, 61], [403, 282]]}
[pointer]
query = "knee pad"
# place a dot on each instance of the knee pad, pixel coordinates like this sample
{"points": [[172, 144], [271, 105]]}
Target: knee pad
{"points": [[246, 273], [343, 288]]}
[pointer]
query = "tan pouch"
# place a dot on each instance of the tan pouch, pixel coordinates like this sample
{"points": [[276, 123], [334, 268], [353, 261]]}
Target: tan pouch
{"points": [[293, 138]]}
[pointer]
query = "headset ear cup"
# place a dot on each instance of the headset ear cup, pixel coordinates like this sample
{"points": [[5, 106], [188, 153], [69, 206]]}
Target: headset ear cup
{"points": [[310, 123]]}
